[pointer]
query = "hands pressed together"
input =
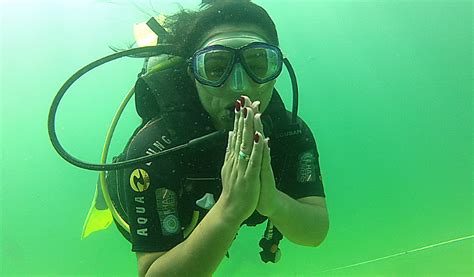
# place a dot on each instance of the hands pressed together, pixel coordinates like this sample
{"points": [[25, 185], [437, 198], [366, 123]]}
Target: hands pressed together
{"points": [[247, 177]]}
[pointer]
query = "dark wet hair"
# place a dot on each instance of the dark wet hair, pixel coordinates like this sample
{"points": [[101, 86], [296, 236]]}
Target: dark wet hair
{"points": [[188, 28]]}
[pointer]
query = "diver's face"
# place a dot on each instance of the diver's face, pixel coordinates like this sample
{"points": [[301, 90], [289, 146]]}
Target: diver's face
{"points": [[219, 102]]}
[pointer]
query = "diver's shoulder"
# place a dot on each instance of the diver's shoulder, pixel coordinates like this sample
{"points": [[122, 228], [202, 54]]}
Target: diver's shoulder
{"points": [[156, 124], [285, 117], [154, 134], [151, 128]]}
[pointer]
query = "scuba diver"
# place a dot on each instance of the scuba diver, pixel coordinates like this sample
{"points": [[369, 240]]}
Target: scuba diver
{"points": [[180, 195]]}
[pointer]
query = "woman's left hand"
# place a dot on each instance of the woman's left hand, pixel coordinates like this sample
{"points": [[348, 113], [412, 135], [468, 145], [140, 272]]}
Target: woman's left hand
{"points": [[268, 190]]}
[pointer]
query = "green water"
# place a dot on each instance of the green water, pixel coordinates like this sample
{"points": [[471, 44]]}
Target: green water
{"points": [[386, 87]]}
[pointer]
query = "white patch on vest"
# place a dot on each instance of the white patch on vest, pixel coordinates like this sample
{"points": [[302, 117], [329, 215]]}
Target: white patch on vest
{"points": [[306, 171]]}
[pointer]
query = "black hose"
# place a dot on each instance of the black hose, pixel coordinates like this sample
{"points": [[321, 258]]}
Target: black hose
{"points": [[294, 85], [141, 52]]}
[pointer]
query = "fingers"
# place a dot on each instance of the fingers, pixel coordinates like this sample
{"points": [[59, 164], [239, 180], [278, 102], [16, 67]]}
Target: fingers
{"points": [[244, 102], [247, 137], [255, 162], [248, 131], [258, 125], [267, 171], [236, 126], [229, 145], [239, 132], [255, 106], [244, 127], [243, 138]]}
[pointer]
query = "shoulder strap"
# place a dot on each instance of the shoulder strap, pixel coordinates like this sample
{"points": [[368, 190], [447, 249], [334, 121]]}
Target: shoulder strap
{"points": [[165, 91]]}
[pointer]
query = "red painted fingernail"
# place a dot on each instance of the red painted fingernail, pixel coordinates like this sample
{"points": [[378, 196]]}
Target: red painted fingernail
{"points": [[237, 106], [242, 100], [256, 137], [245, 112]]}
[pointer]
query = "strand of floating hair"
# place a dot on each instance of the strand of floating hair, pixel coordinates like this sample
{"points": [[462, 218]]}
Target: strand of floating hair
{"points": [[401, 253]]}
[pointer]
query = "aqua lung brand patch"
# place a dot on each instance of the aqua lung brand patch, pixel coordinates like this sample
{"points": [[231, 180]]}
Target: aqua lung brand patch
{"points": [[167, 208], [306, 167], [139, 180]]}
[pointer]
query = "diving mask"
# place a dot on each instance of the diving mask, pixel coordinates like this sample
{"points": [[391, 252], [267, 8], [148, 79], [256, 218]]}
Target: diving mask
{"points": [[214, 64]]}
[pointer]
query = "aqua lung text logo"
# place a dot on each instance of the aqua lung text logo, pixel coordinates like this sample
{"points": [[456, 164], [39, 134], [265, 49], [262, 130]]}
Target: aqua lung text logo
{"points": [[142, 220], [158, 146]]}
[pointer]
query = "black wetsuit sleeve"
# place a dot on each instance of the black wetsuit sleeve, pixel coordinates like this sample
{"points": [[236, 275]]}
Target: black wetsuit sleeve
{"points": [[151, 192], [302, 174]]}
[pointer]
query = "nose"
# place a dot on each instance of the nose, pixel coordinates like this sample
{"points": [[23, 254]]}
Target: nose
{"points": [[239, 80]]}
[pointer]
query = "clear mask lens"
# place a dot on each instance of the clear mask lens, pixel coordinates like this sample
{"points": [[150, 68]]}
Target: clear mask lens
{"points": [[213, 65], [262, 62]]}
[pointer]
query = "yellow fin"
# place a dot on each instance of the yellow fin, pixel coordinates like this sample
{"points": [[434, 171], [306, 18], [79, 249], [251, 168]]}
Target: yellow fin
{"points": [[99, 216]]}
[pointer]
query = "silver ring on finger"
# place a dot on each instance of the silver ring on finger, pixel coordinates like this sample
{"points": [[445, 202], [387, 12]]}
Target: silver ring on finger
{"points": [[243, 156]]}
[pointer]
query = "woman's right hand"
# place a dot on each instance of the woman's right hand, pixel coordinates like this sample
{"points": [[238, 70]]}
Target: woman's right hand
{"points": [[241, 177]]}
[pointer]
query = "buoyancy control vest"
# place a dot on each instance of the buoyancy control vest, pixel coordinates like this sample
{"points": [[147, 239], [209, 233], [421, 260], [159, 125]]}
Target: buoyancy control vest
{"points": [[170, 93]]}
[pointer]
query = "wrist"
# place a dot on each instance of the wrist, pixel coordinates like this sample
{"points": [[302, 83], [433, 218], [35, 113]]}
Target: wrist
{"points": [[275, 205], [226, 214], [271, 206]]}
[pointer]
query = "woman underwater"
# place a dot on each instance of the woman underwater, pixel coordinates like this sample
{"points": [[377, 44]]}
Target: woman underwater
{"points": [[185, 208]]}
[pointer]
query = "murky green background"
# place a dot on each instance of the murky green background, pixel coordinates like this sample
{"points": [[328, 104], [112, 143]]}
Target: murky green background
{"points": [[386, 86]]}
